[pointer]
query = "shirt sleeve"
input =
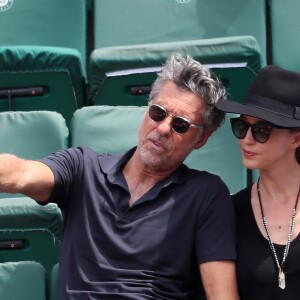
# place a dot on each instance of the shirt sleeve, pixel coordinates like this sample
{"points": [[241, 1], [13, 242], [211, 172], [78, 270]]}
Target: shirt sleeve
{"points": [[65, 165], [215, 233]]}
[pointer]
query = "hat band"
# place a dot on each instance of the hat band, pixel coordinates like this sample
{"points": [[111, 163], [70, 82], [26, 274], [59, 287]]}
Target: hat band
{"points": [[274, 106]]}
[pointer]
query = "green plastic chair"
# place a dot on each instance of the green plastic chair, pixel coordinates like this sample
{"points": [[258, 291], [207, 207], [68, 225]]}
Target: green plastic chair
{"points": [[134, 35], [22, 280], [114, 129], [284, 25], [41, 78], [29, 231], [124, 75], [46, 23], [33, 134], [131, 22]]}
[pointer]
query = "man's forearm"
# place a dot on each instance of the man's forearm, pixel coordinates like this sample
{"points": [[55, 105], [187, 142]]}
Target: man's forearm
{"points": [[11, 168]]}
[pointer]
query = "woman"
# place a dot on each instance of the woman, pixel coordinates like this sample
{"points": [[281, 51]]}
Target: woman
{"points": [[268, 212]]}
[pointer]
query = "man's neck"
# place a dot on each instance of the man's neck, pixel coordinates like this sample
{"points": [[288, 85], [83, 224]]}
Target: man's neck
{"points": [[140, 179]]}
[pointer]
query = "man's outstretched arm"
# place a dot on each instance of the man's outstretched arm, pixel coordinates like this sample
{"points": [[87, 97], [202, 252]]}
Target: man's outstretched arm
{"points": [[28, 177]]}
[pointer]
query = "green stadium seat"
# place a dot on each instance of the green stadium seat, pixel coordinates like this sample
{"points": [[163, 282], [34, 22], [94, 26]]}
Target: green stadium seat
{"points": [[106, 129], [32, 135], [130, 22], [123, 75], [22, 280], [29, 231], [114, 129], [54, 283], [135, 35], [41, 78], [53, 23], [285, 42]]}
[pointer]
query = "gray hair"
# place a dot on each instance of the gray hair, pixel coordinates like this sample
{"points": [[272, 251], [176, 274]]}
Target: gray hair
{"points": [[189, 75]]}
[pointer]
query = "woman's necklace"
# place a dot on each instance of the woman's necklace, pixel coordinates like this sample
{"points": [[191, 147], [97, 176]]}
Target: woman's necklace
{"points": [[281, 275]]}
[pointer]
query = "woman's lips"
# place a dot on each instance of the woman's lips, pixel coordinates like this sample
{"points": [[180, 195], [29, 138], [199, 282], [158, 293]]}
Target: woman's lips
{"points": [[247, 153]]}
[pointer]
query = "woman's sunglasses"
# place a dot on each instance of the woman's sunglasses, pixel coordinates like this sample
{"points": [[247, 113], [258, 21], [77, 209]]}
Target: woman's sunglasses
{"points": [[260, 131], [179, 124]]}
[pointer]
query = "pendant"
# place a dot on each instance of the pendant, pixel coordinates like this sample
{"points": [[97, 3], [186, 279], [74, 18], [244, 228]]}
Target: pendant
{"points": [[281, 279]]}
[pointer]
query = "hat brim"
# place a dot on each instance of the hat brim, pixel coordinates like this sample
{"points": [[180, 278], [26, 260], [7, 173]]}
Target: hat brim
{"points": [[257, 112]]}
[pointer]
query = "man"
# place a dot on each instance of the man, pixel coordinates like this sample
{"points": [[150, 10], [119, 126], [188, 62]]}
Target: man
{"points": [[142, 225]]}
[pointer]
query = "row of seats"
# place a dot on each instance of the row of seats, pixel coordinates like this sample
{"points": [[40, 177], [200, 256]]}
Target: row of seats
{"points": [[117, 23], [46, 65], [27, 280], [52, 78], [109, 129], [134, 22], [130, 22], [30, 232]]}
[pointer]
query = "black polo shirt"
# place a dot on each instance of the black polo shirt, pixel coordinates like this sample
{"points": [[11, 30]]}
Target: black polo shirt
{"points": [[151, 250]]}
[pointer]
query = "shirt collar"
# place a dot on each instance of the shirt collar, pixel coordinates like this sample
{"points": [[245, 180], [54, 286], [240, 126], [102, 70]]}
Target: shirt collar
{"points": [[112, 165]]}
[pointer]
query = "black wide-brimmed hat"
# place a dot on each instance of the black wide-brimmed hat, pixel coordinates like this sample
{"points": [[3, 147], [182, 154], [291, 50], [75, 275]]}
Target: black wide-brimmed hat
{"points": [[274, 96]]}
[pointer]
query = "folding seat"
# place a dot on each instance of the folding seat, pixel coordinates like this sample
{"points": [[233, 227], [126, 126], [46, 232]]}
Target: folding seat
{"points": [[133, 38], [131, 22], [22, 280], [32, 134], [285, 43], [45, 23], [114, 129], [123, 75], [29, 231], [41, 78], [43, 55]]}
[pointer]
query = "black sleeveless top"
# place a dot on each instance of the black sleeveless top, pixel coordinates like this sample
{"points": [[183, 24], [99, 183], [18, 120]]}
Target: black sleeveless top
{"points": [[256, 268]]}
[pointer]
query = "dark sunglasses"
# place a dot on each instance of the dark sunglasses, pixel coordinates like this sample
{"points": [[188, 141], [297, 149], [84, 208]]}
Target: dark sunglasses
{"points": [[179, 124], [260, 131]]}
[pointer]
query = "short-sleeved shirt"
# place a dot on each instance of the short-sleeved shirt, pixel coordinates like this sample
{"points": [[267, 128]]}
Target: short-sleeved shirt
{"points": [[151, 250]]}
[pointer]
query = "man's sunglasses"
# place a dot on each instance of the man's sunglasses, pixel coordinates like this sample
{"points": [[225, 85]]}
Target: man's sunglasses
{"points": [[179, 124], [260, 131]]}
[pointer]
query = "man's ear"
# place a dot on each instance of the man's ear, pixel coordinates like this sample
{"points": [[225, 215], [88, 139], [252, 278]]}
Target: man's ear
{"points": [[203, 139]]}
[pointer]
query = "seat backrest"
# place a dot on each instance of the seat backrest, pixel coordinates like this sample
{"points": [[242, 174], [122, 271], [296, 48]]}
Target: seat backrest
{"points": [[22, 280], [29, 231], [41, 78], [106, 129], [119, 22], [285, 43], [32, 135], [114, 129], [123, 75], [52, 23]]}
